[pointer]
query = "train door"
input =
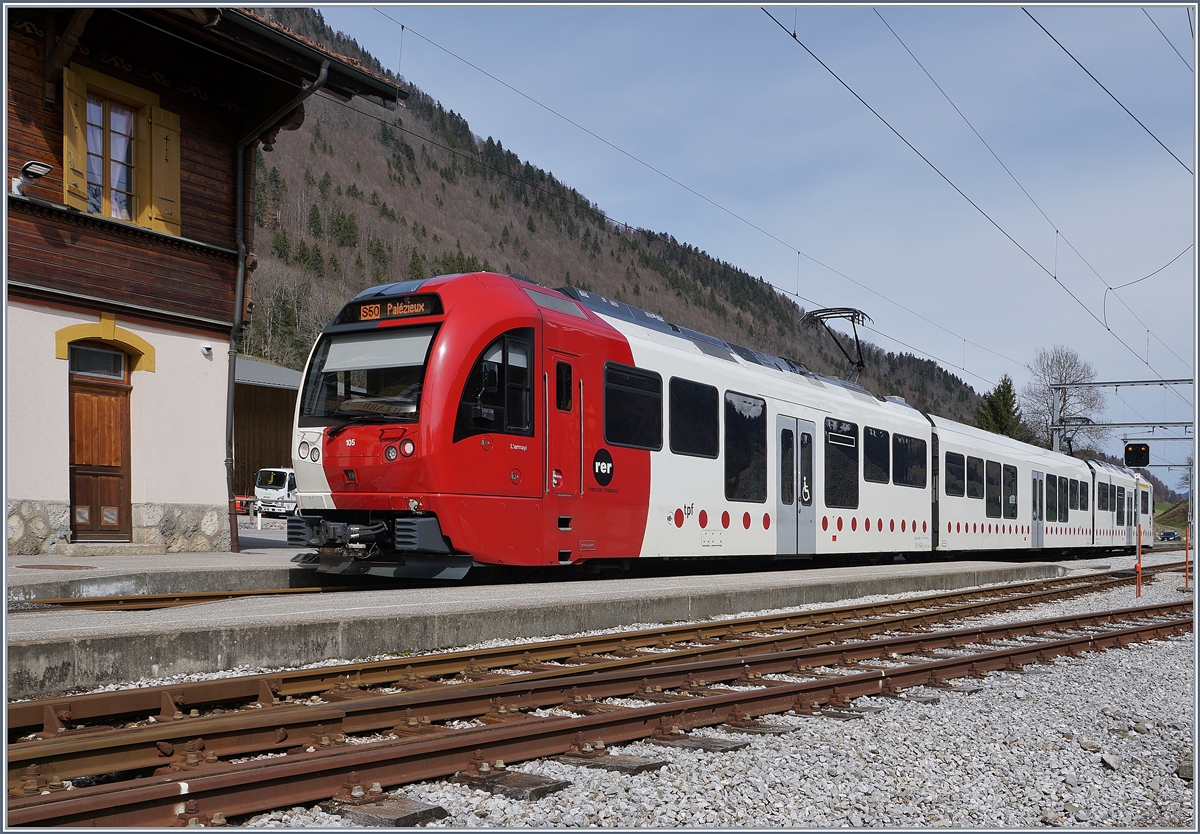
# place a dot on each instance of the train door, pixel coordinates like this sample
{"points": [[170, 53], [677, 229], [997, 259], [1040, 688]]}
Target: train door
{"points": [[1131, 517], [1038, 513], [796, 531], [562, 479]]}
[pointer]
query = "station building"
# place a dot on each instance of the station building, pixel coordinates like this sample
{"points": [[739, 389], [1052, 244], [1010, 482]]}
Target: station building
{"points": [[130, 240]]}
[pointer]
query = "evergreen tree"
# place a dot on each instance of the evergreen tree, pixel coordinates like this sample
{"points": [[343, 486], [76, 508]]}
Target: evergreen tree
{"points": [[315, 227], [999, 412], [416, 265], [280, 247]]}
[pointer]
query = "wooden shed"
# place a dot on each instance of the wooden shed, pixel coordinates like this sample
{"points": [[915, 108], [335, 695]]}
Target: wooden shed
{"points": [[264, 403]]}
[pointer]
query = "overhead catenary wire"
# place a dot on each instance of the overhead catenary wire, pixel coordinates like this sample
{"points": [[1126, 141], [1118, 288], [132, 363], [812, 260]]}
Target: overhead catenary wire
{"points": [[925, 159], [1058, 233], [1168, 40], [1105, 89], [703, 197], [617, 223]]}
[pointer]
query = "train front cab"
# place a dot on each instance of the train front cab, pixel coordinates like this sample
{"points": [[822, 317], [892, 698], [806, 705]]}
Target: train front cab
{"points": [[499, 449]]}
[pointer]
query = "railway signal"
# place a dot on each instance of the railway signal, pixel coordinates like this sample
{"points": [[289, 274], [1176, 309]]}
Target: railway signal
{"points": [[1137, 455]]}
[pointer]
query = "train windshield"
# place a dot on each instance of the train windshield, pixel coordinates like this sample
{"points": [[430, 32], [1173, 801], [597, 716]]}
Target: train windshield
{"points": [[369, 377]]}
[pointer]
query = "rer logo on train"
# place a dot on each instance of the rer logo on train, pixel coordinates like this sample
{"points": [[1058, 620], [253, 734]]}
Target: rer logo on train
{"points": [[602, 467]]}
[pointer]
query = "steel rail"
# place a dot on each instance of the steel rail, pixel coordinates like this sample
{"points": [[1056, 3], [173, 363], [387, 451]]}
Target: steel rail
{"points": [[163, 745], [313, 776], [153, 602], [49, 717]]}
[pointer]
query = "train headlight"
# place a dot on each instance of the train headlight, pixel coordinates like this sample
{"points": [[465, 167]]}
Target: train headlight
{"points": [[407, 447], [315, 454], [304, 447], [390, 453]]}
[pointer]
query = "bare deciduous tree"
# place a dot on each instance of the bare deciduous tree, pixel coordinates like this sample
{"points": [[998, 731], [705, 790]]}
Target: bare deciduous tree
{"points": [[1078, 406]]}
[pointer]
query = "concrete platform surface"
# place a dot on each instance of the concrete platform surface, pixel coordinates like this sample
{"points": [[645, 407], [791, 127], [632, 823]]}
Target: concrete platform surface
{"points": [[53, 652], [264, 562]]}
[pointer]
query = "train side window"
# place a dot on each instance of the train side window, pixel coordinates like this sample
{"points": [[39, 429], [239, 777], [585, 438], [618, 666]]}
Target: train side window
{"points": [[841, 464], [1051, 498], [974, 477], [632, 407], [806, 471], [787, 467], [695, 419], [1010, 491], [1120, 501], [875, 455], [518, 371], [992, 507], [1064, 499], [562, 386], [745, 448], [1145, 501], [956, 475], [909, 461], [1102, 497], [498, 396], [1074, 495], [1083, 495]]}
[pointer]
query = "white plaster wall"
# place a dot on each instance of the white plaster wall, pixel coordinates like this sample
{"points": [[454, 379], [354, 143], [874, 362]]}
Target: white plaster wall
{"points": [[177, 413], [37, 454], [177, 420]]}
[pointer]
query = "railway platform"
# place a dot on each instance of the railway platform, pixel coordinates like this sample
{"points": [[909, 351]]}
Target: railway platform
{"points": [[58, 651]]}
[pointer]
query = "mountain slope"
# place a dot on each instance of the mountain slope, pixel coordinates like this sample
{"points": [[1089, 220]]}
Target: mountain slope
{"points": [[360, 196]]}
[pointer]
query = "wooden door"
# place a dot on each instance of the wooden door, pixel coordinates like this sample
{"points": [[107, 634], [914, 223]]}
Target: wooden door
{"points": [[99, 450]]}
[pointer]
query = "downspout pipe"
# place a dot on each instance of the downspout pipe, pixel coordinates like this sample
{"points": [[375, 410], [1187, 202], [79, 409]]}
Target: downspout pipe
{"points": [[240, 291]]}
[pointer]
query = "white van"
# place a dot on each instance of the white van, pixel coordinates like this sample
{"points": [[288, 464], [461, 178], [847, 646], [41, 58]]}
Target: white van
{"points": [[275, 492]]}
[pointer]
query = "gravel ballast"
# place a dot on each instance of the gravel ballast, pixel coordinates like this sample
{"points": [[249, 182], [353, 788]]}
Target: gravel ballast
{"points": [[1095, 741]]}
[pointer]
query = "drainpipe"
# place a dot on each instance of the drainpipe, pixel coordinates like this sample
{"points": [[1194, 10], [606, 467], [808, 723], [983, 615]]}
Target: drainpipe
{"points": [[239, 294]]}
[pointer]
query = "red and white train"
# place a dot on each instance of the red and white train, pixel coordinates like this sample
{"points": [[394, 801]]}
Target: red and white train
{"points": [[484, 419]]}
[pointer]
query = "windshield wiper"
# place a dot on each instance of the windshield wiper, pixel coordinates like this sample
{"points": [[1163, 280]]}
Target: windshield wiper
{"points": [[356, 419]]}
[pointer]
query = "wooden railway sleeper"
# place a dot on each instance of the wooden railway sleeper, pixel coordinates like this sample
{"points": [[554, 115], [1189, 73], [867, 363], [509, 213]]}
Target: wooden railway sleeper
{"points": [[706, 711]]}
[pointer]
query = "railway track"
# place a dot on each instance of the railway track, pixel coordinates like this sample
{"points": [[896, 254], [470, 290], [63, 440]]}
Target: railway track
{"points": [[151, 735], [68, 715], [153, 602], [516, 718]]}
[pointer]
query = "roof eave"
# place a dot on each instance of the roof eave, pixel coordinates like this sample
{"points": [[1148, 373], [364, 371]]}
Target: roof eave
{"points": [[343, 75]]}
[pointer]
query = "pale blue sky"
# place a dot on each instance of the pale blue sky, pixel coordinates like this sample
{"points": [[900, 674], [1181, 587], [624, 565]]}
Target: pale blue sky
{"points": [[725, 102]]}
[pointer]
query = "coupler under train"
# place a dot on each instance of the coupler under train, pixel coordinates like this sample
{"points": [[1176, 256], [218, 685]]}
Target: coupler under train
{"points": [[400, 547]]}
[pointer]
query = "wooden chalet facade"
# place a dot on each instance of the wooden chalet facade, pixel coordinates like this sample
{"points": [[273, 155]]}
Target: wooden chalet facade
{"points": [[129, 263]]}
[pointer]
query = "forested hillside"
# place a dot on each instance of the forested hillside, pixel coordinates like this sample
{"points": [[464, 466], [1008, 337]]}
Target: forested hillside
{"points": [[360, 195]]}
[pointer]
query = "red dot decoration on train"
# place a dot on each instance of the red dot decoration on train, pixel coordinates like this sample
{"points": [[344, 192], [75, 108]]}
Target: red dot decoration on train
{"points": [[725, 520], [746, 520], [703, 519]]}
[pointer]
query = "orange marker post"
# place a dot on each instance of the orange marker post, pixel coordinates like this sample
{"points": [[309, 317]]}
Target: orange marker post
{"points": [[1138, 568]]}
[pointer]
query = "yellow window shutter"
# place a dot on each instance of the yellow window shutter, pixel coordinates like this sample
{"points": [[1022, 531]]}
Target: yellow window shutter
{"points": [[74, 140], [164, 171]]}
